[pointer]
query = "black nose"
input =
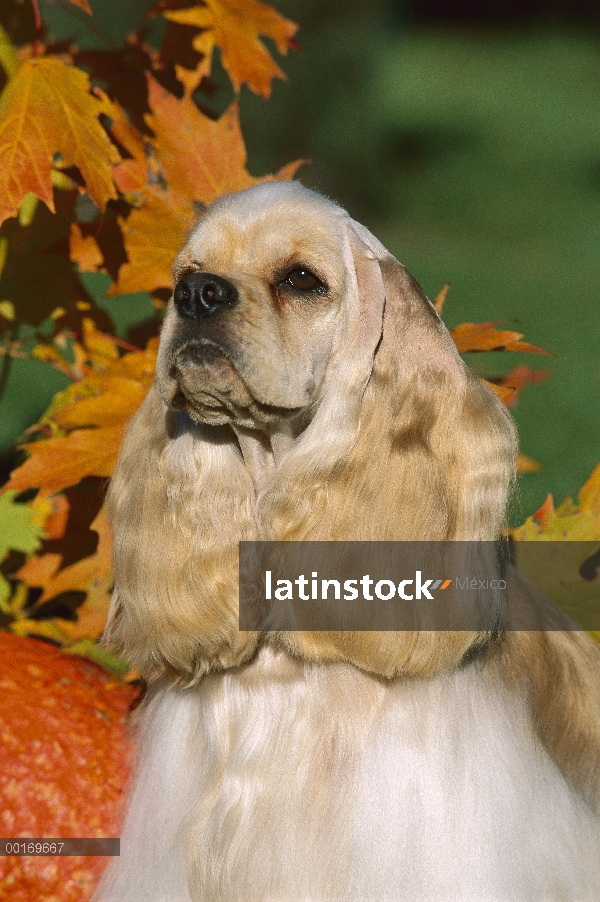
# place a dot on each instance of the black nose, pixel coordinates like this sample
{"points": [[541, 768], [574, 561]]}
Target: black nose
{"points": [[200, 294]]}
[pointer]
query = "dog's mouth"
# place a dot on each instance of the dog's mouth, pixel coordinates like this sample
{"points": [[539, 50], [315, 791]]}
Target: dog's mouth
{"points": [[201, 354], [207, 384]]}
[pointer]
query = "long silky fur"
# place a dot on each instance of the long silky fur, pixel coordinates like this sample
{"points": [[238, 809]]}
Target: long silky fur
{"points": [[168, 500], [315, 767]]}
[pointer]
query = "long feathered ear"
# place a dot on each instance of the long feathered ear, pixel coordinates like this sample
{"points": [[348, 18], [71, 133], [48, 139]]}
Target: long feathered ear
{"points": [[428, 453], [179, 502], [437, 448]]}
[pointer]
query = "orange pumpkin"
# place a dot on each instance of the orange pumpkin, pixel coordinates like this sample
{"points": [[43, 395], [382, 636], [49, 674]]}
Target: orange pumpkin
{"points": [[65, 756]]}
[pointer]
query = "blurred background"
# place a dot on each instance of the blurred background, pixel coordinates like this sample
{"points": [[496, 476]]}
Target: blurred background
{"points": [[466, 136]]}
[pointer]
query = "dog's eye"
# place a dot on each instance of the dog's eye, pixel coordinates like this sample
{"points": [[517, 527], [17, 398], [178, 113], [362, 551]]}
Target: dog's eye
{"points": [[303, 280]]}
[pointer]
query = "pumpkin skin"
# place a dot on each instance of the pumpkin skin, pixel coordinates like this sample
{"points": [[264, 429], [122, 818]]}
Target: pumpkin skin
{"points": [[65, 756]]}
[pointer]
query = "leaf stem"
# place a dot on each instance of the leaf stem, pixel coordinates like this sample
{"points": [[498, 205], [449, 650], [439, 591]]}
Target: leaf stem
{"points": [[38, 28], [85, 20]]}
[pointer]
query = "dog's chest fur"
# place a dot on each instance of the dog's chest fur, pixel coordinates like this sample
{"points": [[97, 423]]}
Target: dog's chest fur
{"points": [[283, 782]]}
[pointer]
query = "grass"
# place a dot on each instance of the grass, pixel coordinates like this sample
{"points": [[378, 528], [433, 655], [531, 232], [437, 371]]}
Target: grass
{"points": [[497, 190]]}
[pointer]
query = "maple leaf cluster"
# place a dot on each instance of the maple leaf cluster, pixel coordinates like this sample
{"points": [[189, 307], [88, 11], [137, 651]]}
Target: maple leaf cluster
{"points": [[106, 157]]}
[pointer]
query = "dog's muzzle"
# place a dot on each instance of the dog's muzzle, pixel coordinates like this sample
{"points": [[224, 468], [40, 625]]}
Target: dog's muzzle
{"points": [[201, 294]]}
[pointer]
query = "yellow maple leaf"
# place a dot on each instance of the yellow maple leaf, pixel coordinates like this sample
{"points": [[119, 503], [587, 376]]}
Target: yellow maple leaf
{"points": [[235, 26], [101, 348], [576, 521], [47, 109], [557, 550]]}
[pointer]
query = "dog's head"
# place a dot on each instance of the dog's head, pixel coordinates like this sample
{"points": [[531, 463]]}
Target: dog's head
{"points": [[264, 292]]}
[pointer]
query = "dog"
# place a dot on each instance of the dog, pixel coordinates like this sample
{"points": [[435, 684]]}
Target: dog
{"points": [[307, 390]]}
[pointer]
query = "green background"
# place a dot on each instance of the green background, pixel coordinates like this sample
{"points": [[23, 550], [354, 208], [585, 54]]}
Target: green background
{"points": [[473, 152]]}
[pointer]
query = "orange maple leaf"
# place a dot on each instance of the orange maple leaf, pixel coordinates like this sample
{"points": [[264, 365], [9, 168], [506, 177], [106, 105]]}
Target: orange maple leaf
{"points": [[56, 463], [546, 512], [131, 175], [153, 235], [510, 386], [91, 575], [200, 159], [84, 250], [118, 400], [527, 464], [235, 26], [440, 298], [504, 392], [469, 337], [47, 109], [191, 78], [95, 414], [52, 514], [82, 4]]}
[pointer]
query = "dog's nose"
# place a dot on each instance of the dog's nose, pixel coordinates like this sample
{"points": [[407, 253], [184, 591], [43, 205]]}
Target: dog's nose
{"points": [[200, 294]]}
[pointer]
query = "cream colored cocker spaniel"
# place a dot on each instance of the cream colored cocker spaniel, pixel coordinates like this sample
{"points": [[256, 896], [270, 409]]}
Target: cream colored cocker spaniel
{"points": [[307, 390]]}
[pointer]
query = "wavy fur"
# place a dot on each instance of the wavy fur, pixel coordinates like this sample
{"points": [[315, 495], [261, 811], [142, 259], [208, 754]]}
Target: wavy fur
{"points": [[317, 766]]}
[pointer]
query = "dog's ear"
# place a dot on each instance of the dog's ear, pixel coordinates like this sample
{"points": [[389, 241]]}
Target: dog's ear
{"points": [[407, 445], [179, 502], [441, 446]]}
